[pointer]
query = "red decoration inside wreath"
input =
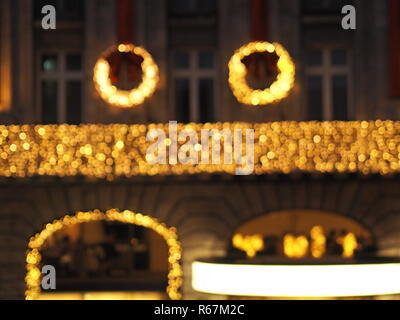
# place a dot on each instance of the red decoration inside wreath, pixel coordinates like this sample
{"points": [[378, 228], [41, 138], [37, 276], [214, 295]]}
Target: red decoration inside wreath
{"points": [[262, 66], [118, 59]]}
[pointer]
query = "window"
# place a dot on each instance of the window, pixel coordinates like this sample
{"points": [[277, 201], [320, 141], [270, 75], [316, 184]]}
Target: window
{"points": [[179, 8], [327, 82], [66, 9], [194, 85], [324, 6], [107, 255], [60, 78]]}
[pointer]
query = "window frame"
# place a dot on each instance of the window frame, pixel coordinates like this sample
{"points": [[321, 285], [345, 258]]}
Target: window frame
{"points": [[326, 71], [172, 13], [61, 15], [62, 76], [193, 74], [324, 11]]}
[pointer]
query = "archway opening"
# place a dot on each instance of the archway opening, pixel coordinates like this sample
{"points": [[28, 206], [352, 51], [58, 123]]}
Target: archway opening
{"points": [[111, 255], [299, 255], [302, 234]]}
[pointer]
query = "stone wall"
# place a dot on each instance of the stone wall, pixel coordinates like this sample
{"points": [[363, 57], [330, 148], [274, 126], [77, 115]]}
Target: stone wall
{"points": [[205, 210]]}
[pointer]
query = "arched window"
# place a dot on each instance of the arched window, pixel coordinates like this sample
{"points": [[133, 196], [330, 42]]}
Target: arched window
{"points": [[113, 255], [278, 232]]}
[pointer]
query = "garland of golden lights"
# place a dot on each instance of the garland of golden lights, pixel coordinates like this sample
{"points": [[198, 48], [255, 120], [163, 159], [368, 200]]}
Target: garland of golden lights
{"points": [[123, 98], [33, 255], [110, 151], [277, 91]]}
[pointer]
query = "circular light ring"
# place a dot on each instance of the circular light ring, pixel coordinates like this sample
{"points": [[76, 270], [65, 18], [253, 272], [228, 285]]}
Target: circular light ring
{"points": [[34, 256], [292, 281], [277, 91], [126, 98]]}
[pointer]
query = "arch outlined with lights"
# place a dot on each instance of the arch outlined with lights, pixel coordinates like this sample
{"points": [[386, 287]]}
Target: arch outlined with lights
{"points": [[33, 254]]}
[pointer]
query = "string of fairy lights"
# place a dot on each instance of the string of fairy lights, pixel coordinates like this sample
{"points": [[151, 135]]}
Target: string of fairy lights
{"points": [[34, 257], [111, 151]]}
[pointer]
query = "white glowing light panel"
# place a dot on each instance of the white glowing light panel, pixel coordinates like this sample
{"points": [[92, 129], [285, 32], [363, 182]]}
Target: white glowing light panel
{"points": [[306, 281]]}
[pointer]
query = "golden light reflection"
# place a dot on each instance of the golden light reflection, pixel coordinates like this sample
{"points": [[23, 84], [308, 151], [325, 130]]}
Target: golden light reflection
{"points": [[295, 247], [349, 244], [318, 242], [110, 151], [277, 91], [102, 296], [33, 255], [249, 244]]}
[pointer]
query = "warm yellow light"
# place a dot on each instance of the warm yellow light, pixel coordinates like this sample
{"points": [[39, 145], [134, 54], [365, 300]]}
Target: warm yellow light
{"points": [[102, 296], [318, 242], [308, 281], [122, 48], [277, 91], [33, 256], [349, 244], [295, 247], [126, 98], [249, 244], [110, 151]]}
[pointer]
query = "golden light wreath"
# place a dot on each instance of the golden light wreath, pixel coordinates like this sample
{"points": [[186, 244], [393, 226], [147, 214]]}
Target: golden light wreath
{"points": [[278, 89], [126, 98]]}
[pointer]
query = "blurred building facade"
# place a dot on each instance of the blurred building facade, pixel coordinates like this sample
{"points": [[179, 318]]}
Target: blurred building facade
{"points": [[192, 42], [46, 78]]}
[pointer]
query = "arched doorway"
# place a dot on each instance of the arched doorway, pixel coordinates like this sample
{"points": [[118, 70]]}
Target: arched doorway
{"points": [[299, 254], [273, 228], [36, 243]]}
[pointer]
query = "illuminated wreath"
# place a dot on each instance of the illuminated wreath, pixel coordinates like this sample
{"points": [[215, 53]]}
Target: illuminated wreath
{"points": [[277, 91], [103, 80]]}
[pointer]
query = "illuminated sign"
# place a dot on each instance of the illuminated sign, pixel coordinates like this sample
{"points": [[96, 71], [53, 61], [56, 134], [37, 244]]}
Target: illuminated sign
{"points": [[289, 281]]}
